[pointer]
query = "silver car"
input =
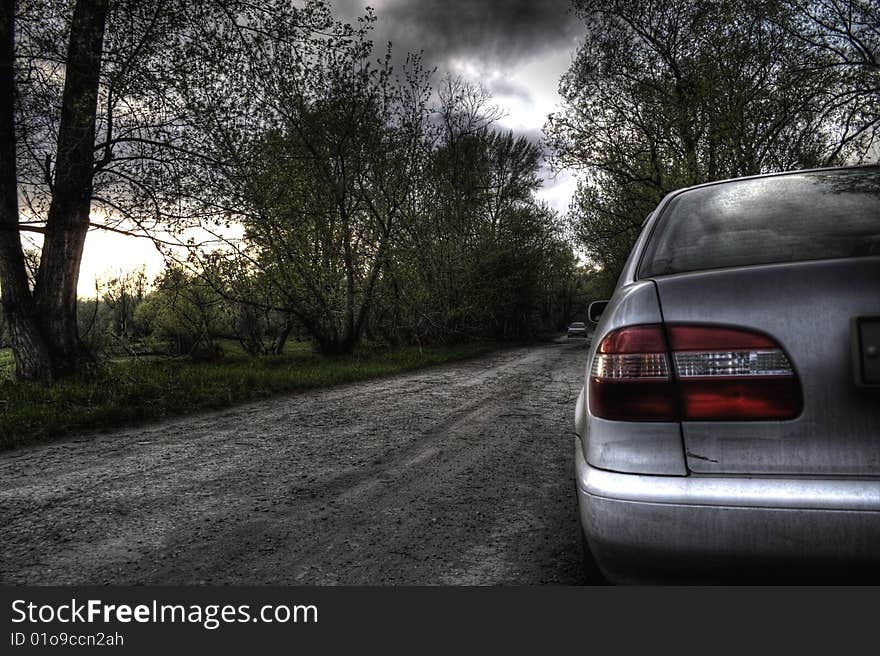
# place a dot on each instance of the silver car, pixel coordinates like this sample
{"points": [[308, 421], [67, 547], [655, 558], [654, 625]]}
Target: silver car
{"points": [[729, 422]]}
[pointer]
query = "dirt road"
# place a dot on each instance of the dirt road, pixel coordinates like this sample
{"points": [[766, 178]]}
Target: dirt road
{"points": [[460, 474]]}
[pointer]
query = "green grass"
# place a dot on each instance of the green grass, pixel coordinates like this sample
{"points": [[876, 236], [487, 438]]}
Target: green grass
{"points": [[6, 362], [131, 391]]}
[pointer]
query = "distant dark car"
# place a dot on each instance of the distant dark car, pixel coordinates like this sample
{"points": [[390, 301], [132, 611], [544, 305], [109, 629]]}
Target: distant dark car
{"points": [[730, 416], [577, 329]]}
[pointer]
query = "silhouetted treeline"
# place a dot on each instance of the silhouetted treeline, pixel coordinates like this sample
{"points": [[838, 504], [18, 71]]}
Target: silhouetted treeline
{"points": [[297, 182], [664, 94]]}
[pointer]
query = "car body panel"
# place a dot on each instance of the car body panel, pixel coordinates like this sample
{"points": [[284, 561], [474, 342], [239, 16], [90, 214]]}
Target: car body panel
{"points": [[807, 308], [663, 528], [644, 447]]}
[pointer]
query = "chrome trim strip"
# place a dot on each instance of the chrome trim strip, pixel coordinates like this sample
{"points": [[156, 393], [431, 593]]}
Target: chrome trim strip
{"points": [[734, 491]]}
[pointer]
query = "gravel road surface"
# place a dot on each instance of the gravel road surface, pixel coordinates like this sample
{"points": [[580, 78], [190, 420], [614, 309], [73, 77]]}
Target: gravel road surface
{"points": [[458, 474]]}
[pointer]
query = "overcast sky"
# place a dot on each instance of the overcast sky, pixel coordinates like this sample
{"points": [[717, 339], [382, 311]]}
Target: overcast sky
{"points": [[517, 49]]}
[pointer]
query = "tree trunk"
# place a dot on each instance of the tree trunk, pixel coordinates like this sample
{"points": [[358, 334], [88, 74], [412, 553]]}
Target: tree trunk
{"points": [[283, 336], [29, 347], [335, 344], [68, 220]]}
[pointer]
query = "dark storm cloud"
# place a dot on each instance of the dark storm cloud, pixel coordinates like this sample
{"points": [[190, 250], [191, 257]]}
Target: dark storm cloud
{"points": [[494, 32], [486, 31], [517, 49], [503, 87]]}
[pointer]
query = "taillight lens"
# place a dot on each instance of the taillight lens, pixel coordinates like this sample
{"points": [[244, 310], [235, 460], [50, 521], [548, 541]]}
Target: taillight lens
{"points": [[629, 378], [719, 374], [732, 374]]}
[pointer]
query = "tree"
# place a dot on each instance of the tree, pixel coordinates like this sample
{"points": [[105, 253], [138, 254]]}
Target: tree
{"points": [[100, 134], [42, 323], [122, 295], [478, 254], [319, 190], [184, 313], [666, 93], [254, 302], [842, 36]]}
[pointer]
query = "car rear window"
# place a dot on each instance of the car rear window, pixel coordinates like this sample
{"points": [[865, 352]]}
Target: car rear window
{"points": [[786, 218]]}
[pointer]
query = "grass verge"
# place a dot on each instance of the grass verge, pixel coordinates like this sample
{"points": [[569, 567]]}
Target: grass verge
{"points": [[131, 391]]}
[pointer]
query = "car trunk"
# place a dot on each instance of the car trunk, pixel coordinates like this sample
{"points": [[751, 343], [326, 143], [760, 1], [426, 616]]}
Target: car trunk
{"points": [[807, 307]]}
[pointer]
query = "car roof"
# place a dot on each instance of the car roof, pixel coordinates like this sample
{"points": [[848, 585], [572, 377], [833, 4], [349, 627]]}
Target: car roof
{"points": [[775, 174]]}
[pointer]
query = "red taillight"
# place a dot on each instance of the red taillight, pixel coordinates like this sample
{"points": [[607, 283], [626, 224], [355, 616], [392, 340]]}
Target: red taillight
{"points": [[719, 374], [629, 378], [635, 339], [728, 373]]}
